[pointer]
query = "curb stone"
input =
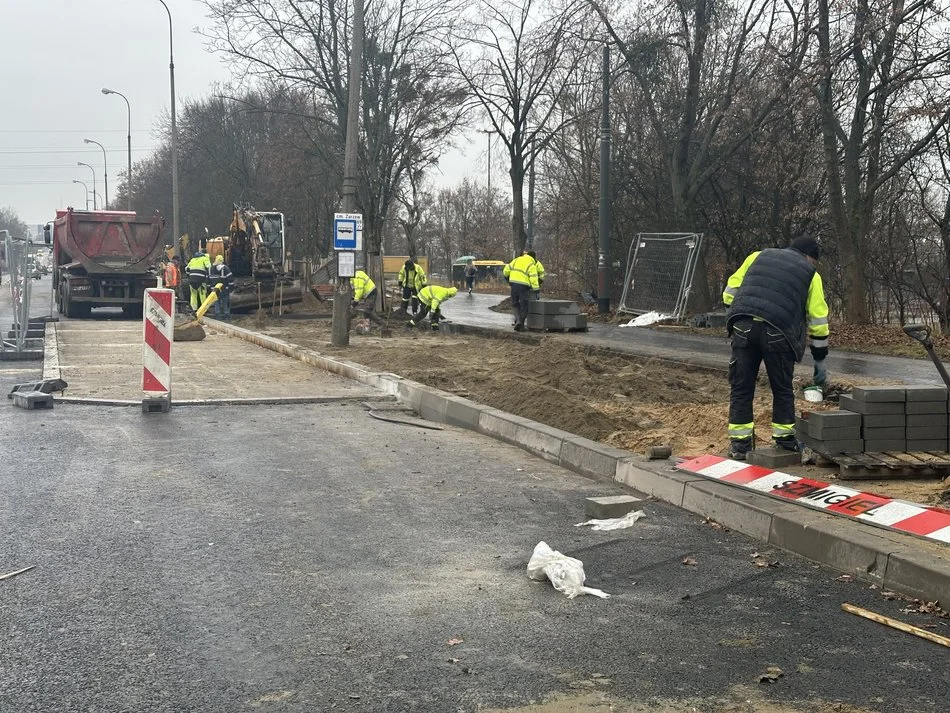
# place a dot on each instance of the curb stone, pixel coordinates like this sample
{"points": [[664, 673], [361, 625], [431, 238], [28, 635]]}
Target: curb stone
{"points": [[898, 562]]}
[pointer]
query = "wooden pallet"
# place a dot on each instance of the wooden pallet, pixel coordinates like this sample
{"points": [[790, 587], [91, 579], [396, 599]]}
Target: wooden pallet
{"points": [[557, 329], [892, 464]]}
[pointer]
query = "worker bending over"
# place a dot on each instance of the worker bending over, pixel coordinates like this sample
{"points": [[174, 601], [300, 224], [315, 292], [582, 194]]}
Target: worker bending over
{"points": [[221, 274], [432, 298], [775, 299]]}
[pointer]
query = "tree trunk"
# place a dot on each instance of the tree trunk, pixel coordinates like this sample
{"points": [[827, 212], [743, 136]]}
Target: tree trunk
{"points": [[518, 234]]}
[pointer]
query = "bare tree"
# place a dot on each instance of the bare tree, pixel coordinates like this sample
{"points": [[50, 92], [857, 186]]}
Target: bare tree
{"points": [[410, 96], [877, 67], [517, 60]]}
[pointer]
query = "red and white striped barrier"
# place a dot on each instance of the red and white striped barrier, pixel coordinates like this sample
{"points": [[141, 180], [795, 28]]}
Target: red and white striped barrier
{"points": [[159, 330], [898, 515]]}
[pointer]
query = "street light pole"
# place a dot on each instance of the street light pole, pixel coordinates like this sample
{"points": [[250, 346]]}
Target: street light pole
{"points": [[171, 76], [129, 175], [83, 184], [105, 168], [80, 163]]}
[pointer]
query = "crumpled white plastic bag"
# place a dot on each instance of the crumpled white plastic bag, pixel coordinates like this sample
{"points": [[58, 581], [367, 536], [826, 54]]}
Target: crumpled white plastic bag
{"points": [[645, 320], [614, 523], [566, 573]]}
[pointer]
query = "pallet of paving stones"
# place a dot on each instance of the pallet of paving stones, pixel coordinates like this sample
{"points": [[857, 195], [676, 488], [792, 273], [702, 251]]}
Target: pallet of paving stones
{"points": [[893, 464], [555, 316]]}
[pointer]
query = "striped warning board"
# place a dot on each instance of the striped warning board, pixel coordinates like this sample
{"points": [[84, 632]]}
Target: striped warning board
{"points": [[899, 515], [159, 329]]}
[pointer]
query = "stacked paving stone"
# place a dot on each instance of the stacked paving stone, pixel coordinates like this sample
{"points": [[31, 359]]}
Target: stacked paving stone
{"points": [[558, 315], [877, 419]]}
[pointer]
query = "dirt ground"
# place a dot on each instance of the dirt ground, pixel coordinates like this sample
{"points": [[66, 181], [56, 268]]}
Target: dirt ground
{"points": [[628, 402]]}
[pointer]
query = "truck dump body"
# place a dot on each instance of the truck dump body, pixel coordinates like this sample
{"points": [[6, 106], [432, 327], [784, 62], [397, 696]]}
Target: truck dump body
{"points": [[104, 259], [106, 242]]}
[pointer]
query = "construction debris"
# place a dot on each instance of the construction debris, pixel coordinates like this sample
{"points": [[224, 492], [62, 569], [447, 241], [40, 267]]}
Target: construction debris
{"points": [[8, 575], [565, 573], [895, 624]]}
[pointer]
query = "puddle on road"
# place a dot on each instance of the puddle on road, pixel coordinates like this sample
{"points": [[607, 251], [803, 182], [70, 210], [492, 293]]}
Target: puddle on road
{"points": [[742, 701]]}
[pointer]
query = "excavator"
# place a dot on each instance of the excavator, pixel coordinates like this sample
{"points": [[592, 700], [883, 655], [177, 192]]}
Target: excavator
{"points": [[254, 250]]}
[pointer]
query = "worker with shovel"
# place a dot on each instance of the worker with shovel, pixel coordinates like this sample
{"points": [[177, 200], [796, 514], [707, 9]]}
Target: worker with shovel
{"points": [[198, 271], [775, 299]]}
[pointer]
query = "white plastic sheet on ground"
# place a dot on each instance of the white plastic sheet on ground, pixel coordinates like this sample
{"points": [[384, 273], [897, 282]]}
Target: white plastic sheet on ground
{"points": [[614, 523], [645, 320], [566, 573]]}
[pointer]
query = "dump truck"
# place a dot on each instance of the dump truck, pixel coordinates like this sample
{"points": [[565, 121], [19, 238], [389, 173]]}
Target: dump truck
{"points": [[104, 258]]}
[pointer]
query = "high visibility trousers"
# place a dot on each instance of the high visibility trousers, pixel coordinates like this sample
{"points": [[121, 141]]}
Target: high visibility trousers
{"points": [[409, 293], [198, 295], [754, 343]]}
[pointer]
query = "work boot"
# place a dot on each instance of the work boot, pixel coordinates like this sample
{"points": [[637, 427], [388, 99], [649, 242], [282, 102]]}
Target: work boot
{"points": [[739, 449], [788, 443], [519, 327]]}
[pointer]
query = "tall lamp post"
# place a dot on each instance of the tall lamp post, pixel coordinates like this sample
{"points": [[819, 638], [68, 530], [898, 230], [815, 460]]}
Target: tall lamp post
{"points": [[94, 204], [171, 77], [105, 168], [83, 184], [129, 175]]}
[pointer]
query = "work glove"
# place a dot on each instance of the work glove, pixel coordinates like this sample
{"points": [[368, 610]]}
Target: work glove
{"points": [[537, 294], [819, 353], [821, 372]]}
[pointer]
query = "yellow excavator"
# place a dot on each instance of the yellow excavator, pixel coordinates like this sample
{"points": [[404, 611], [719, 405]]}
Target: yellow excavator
{"points": [[254, 249]]}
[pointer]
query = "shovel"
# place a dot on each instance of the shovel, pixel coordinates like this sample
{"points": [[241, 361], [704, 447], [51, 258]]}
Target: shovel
{"points": [[921, 333], [193, 331]]}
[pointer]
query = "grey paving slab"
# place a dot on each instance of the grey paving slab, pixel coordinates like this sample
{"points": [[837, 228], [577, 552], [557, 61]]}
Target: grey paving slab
{"points": [[103, 359]]}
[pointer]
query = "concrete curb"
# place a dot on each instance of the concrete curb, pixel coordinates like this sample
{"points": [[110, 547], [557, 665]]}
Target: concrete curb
{"points": [[50, 353], [259, 401], [894, 561]]}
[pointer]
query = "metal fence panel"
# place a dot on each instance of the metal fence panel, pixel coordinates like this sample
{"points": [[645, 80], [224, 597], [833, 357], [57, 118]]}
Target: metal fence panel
{"points": [[18, 258], [660, 269]]}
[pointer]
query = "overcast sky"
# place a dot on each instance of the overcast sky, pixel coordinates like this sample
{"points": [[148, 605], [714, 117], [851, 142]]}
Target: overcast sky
{"points": [[56, 56]]}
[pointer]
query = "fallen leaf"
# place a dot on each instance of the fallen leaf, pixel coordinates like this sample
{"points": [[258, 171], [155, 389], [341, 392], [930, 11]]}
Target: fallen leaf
{"points": [[690, 562], [890, 595], [844, 578], [470, 671], [453, 660], [354, 696], [455, 642], [771, 675], [715, 525]]}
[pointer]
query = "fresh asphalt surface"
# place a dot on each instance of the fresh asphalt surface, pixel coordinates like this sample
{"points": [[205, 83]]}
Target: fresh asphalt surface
{"points": [[306, 558], [694, 349]]}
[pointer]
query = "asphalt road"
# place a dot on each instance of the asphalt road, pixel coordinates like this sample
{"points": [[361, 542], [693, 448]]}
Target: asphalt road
{"points": [[310, 558], [695, 349]]}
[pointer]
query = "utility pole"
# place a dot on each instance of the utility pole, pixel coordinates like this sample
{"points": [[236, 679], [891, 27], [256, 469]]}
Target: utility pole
{"points": [[340, 331], [603, 251]]}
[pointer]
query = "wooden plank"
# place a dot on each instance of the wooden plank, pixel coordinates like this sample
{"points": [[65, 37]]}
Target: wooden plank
{"points": [[861, 459], [907, 459]]}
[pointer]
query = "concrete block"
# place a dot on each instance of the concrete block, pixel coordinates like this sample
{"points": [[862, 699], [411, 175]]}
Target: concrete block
{"points": [[870, 409], [156, 404], [854, 445], [846, 546], [919, 571], [925, 407], [542, 440], [744, 512], [501, 425], [885, 444], [553, 307], [410, 393], [881, 434], [802, 426], [926, 419], [835, 434], [608, 506], [925, 393], [926, 433], [935, 444], [590, 458], [656, 479], [774, 457], [832, 419], [892, 420], [32, 400], [433, 405], [879, 394], [556, 321], [462, 412]]}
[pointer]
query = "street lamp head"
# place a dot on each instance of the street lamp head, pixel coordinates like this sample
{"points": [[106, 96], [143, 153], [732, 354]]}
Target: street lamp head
{"points": [[107, 91], [86, 141], [80, 163]]}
